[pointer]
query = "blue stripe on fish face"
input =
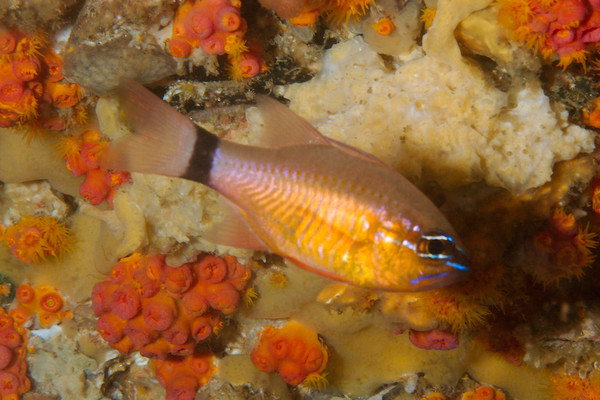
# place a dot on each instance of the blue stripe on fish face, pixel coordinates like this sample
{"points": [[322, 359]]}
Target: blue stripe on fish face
{"points": [[457, 266], [426, 277]]}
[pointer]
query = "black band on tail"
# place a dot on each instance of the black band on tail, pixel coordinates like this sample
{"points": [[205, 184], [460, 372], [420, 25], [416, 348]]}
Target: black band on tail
{"points": [[202, 157]]}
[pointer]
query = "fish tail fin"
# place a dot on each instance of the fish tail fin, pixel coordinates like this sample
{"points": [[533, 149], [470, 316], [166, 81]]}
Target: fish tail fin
{"points": [[164, 142]]}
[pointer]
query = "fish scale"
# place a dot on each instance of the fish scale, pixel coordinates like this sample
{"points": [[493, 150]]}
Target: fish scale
{"points": [[315, 218]]}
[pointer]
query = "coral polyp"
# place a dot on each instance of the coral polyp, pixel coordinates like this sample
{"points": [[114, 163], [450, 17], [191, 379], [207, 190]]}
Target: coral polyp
{"points": [[574, 387], [13, 366], [569, 29], [82, 155], [35, 239], [42, 301], [32, 90], [217, 28], [182, 377], [563, 250], [384, 26], [294, 351], [483, 393], [165, 311]]}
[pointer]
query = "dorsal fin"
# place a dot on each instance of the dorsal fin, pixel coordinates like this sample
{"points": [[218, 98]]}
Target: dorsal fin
{"points": [[283, 127]]}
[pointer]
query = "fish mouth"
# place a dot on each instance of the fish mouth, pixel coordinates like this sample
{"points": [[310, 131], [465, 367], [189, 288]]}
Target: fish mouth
{"points": [[438, 280], [451, 271]]}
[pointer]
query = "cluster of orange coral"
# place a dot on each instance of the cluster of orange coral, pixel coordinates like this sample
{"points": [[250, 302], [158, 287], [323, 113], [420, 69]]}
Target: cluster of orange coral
{"points": [[82, 154], [13, 366], [434, 396], [294, 351], [338, 11], [34, 239], [217, 27], [159, 310], [32, 86], [483, 393], [43, 301], [572, 387], [562, 250], [182, 377], [592, 118], [568, 28]]}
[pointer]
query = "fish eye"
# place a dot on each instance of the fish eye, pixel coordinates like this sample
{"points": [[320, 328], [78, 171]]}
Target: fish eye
{"points": [[435, 245]]}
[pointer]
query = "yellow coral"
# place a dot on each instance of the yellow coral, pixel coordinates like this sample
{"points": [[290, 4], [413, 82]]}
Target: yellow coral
{"points": [[427, 17], [340, 11], [249, 296], [278, 279], [317, 381], [235, 45], [33, 239]]}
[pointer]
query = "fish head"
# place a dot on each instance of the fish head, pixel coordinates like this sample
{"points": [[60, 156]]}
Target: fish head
{"points": [[418, 260]]}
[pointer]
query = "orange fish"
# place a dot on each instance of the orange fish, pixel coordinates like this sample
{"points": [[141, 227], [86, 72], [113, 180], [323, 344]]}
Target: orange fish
{"points": [[328, 207]]}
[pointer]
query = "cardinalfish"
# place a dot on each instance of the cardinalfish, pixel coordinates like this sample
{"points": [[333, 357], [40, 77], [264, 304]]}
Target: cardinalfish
{"points": [[327, 207]]}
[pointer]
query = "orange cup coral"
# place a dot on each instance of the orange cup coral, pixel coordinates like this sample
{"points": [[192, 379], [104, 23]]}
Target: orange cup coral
{"points": [[82, 155], [31, 87], [483, 393], [216, 27], [567, 387], [294, 351], [160, 310], [13, 366], [34, 239], [568, 28], [43, 301], [183, 377]]}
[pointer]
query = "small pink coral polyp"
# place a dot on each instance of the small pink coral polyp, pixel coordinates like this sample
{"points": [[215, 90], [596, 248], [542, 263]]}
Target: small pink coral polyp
{"points": [[434, 339]]}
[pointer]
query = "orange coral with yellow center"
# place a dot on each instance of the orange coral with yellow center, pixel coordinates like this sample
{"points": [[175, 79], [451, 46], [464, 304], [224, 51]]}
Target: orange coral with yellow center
{"points": [[216, 27], [64, 95], [31, 87], [563, 250], [293, 350], [573, 387], [341, 11], [384, 26], [82, 155], [33, 239], [43, 301]]}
